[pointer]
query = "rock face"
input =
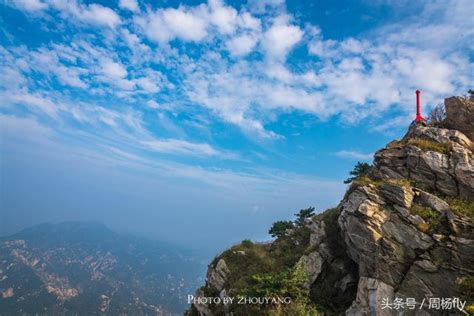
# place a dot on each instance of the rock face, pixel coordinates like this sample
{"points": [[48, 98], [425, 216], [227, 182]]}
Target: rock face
{"points": [[460, 115], [217, 275], [437, 158], [404, 231]]}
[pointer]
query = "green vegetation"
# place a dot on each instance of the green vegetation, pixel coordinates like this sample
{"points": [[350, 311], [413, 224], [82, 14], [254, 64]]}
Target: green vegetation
{"points": [[364, 180], [280, 228], [272, 270], [461, 207], [465, 290], [422, 143], [287, 283], [429, 145], [398, 182], [436, 221], [303, 214], [360, 169]]}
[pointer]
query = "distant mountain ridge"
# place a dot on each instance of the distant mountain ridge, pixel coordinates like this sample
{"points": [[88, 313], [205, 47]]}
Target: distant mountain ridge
{"points": [[84, 268]]}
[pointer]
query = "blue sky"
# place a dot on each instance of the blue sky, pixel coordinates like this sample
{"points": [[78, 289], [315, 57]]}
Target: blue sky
{"points": [[203, 122]]}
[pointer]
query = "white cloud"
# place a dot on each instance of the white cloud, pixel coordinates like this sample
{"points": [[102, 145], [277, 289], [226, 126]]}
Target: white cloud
{"points": [[152, 104], [241, 45], [184, 24], [93, 13], [147, 84], [348, 78], [98, 14], [164, 25], [131, 5], [352, 154], [224, 17], [281, 37], [33, 101], [113, 70], [30, 5], [248, 22], [176, 146]]}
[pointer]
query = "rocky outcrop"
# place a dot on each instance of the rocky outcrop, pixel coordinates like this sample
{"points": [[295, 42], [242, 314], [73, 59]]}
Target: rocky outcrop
{"points": [[404, 231], [437, 158], [460, 115], [397, 255], [369, 292], [216, 275], [312, 264]]}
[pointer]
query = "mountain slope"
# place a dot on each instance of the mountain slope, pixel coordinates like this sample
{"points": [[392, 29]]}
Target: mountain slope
{"points": [[87, 269], [405, 230]]}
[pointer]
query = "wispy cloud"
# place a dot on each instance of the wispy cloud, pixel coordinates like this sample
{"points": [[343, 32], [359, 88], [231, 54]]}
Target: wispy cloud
{"points": [[378, 70], [355, 155], [176, 146]]}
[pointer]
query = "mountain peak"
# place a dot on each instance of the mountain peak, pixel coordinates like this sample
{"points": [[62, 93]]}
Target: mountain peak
{"points": [[403, 230]]}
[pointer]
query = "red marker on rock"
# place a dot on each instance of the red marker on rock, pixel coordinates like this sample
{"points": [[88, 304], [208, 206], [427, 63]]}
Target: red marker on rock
{"points": [[419, 117]]}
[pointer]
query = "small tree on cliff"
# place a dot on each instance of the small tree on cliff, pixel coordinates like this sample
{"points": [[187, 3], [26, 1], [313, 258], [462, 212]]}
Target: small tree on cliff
{"points": [[303, 214], [360, 169], [279, 228], [437, 115]]}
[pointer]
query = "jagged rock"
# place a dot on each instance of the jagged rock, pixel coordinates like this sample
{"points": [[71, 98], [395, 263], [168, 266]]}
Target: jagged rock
{"points": [[202, 309], [460, 115], [317, 229], [400, 195], [432, 201], [372, 193], [405, 214], [426, 265], [448, 173], [216, 276], [439, 135], [312, 264], [431, 169], [370, 292]]}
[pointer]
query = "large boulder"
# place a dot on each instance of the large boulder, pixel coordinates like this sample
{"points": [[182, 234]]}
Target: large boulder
{"points": [[437, 159], [369, 293], [460, 115], [312, 264], [398, 194]]}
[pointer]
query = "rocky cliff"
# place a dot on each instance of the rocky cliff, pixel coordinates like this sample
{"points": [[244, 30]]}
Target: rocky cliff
{"points": [[402, 233]]}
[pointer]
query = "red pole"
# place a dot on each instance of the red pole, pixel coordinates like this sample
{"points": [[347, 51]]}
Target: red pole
{"points": [[419, 117], [418, 103]]}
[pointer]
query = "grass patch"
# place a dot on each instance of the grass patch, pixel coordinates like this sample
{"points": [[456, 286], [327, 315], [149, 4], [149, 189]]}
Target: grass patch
{"points": [[366, 181], [395, 144], [436, 222], [465, 290], [268, 270], [398, 182], [248, 259], [422, 143], [461, 207], [429, 145]]}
